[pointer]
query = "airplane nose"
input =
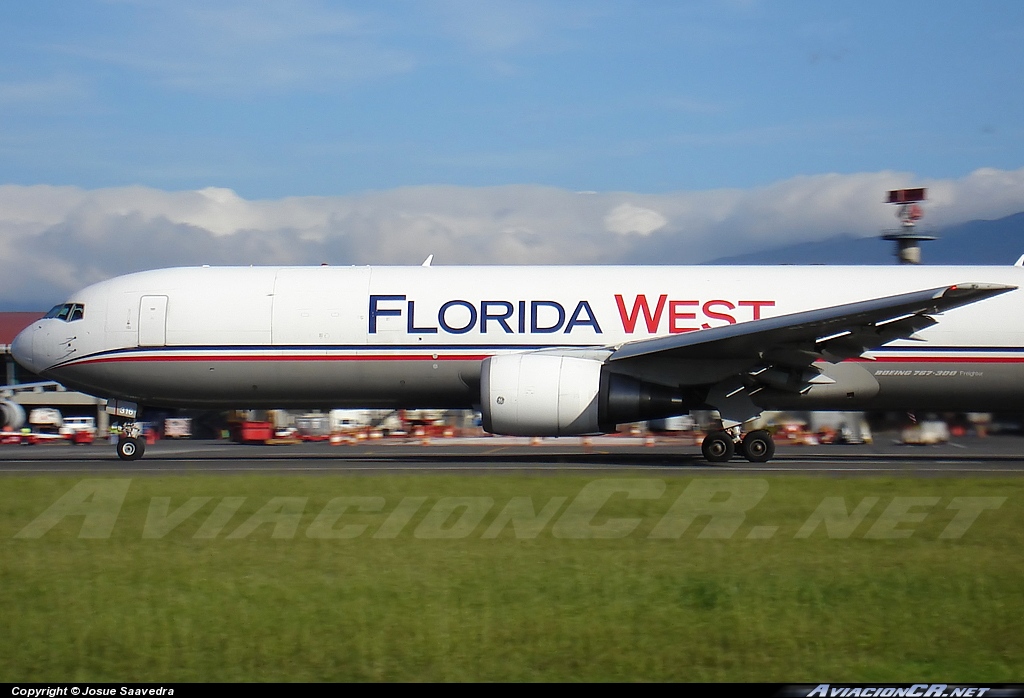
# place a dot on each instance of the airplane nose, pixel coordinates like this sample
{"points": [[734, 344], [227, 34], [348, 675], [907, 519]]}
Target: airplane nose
{"points": [[21, 350]]}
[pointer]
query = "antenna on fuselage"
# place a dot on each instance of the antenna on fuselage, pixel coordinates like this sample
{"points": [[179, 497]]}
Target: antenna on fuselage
{"points": [[428, 260], [907, 239]]}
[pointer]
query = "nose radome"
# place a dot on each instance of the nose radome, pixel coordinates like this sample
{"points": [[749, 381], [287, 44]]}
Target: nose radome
{"points": [[21, 349]]}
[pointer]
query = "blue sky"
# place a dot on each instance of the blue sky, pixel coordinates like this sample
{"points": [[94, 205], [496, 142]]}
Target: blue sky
{"points": [[136, 134], [327, 98]]}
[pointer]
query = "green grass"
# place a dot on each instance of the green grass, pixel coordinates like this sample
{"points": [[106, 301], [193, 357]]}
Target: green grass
{"points": [[529, 608]]}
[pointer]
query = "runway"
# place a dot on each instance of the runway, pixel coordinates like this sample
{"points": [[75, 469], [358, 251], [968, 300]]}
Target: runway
{"points": [[1001, 455]]}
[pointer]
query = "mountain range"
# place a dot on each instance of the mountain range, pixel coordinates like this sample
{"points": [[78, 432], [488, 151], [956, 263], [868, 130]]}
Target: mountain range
{"points": [[998, 242]]}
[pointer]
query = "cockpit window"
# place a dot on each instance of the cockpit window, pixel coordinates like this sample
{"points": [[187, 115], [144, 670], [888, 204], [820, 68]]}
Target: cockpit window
{"points": [[68, 312]]}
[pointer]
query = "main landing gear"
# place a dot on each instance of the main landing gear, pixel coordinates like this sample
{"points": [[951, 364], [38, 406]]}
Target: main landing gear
{"points": [[720, 446], [130, 444]]}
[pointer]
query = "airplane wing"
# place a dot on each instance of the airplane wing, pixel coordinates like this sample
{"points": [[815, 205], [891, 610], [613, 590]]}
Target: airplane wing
{"points": [[779, 353], [832, 334]]}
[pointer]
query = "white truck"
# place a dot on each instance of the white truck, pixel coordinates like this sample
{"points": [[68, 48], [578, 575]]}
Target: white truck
{"points": [[45, 420], [79, 430]]}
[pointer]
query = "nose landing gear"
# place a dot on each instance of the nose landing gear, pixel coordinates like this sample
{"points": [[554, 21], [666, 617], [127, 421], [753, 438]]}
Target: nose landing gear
{"points": [[130, 445]]}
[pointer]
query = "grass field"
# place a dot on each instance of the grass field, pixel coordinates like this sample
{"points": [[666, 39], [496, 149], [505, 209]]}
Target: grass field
{"points": [[511, 578]]}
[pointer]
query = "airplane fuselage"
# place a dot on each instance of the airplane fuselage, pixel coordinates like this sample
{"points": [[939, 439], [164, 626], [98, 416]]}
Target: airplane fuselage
{"points": [[415, 337]]}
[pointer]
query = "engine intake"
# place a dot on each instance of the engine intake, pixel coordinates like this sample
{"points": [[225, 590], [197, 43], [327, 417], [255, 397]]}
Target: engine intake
{"points": [[552, 395]]}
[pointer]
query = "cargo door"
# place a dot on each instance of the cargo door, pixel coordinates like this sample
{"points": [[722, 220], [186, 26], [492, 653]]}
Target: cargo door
{"points": [[153, 321]]}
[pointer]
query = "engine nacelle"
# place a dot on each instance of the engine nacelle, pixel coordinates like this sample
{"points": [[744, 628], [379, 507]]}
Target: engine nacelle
{"points": [[12, 415], [552, 395]]}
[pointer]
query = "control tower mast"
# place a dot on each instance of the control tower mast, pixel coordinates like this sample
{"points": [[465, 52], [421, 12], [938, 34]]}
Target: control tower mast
{"points": [[907, 239]]}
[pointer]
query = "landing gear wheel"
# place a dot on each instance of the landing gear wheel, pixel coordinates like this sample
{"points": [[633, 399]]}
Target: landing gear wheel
{"points": [[718, 447], [758, 446], [130, 448]]}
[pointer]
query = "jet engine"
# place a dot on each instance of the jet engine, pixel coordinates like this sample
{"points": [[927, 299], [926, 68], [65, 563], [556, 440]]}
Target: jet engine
{"points": [[553, 395], [12, 415]]}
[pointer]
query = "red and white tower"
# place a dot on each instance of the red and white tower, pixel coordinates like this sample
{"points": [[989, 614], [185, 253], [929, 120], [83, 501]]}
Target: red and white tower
{"points": [[907, 239]]}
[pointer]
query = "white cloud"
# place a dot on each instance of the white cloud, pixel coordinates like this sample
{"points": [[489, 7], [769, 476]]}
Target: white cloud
{"points": [[627, 218], [54, 240]]}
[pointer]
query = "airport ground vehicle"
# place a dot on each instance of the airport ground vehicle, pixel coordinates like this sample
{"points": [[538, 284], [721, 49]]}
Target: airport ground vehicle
{"points": [[178, 427], [79, 430], [45, 420], [926, 433]]}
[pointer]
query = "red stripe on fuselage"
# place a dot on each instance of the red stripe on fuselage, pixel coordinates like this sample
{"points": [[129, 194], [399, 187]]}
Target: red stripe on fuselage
{"points": [[220, 358]]}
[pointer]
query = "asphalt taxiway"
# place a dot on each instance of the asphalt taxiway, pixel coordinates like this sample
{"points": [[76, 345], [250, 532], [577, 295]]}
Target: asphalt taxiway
{"points": [[999, 455]]}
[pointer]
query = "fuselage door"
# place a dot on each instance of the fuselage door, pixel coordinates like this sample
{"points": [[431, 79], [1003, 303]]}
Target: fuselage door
{"points": [[153, 321]]}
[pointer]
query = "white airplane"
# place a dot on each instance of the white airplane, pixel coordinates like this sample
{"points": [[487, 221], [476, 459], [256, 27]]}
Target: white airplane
{"points": [[544, 351]]}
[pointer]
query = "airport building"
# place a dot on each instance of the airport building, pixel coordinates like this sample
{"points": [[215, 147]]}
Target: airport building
{"points": [[10, 325]]}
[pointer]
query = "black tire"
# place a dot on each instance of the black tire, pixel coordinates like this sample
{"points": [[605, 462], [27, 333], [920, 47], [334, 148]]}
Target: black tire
{"points": [[758, 446], [130, 448], [718, 447]]}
